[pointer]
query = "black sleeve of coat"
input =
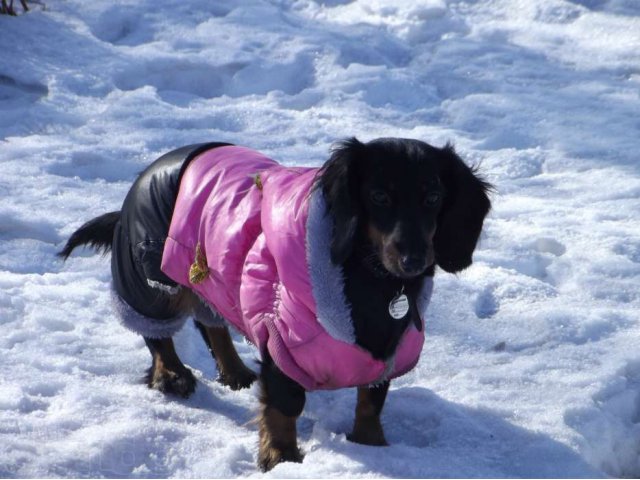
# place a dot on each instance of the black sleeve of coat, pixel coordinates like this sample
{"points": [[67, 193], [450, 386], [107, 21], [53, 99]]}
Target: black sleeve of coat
{"points": [[148, 208]]}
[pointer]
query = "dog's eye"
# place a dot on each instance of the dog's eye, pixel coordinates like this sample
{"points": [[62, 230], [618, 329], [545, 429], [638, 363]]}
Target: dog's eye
{"points": [[380, 197], [432, 198]]}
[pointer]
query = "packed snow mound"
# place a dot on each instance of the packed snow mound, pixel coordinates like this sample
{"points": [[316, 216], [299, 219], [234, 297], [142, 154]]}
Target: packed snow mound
{"points": [[531, 366]]}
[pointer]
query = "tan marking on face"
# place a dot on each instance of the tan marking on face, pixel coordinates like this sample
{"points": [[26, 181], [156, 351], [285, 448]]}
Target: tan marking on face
{"points": [[387, 252], [375, 236]]}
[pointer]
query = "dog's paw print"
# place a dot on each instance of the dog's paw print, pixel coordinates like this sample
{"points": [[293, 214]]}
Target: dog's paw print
{"points": [[486, 305], [10, 88], [629, 250], [549, 245]]}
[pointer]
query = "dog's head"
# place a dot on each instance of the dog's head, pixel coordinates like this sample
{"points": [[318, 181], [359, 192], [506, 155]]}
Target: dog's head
{"points": [[412, 204]]}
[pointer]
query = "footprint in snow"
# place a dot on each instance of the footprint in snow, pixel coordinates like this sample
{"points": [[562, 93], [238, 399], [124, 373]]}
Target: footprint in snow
{"points": [[610, 427], [630, 250], [536, 258], [13, 227], [128, 26], [550, 245], [90, 166], [486, 305], [11, 88]]}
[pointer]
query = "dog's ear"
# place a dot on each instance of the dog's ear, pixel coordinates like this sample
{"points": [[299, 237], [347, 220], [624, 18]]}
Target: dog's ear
{"points": [[465, 206], [338, 179]]}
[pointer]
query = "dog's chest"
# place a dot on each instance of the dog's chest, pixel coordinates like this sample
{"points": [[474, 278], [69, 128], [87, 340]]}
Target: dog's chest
{"points": [[381, 309]]}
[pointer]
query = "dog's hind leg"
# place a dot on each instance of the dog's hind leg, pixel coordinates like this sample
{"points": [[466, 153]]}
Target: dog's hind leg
{"points": [[282, 402], [232, 371], [167, 373], [367, 428]]}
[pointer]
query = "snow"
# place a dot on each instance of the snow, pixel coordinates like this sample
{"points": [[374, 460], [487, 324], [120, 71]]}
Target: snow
{"points": [[531, 365]]}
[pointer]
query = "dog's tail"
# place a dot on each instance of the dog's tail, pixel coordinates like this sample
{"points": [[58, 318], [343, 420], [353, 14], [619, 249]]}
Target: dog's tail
{"points": [[98, 233]]}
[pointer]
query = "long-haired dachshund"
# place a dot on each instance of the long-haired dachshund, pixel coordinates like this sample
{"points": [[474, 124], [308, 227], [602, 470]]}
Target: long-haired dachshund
{"points": [[328, 271]]}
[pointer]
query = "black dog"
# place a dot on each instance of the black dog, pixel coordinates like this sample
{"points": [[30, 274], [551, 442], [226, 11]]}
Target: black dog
{"points": [[399, 207]]}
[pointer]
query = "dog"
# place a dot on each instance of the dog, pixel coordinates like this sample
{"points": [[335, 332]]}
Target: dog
{"points": [[326, 270]]}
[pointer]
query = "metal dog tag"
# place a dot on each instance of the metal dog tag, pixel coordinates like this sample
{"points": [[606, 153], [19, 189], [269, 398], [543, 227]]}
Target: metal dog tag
{"points": [[399, 306]]}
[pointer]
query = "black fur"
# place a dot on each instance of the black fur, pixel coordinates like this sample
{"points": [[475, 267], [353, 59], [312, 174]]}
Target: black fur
{"points": [[465, 207], [444, 234], [339, 182], [369, 297], [203, 333], [97, 233], [278, 390]]}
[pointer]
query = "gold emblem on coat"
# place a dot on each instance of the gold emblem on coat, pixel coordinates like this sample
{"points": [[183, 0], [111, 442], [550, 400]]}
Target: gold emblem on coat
{"points": [[199, 269], [258, 181]]}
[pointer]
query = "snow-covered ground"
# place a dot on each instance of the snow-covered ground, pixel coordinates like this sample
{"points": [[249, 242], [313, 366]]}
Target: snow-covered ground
{"points": [[532, 361]]}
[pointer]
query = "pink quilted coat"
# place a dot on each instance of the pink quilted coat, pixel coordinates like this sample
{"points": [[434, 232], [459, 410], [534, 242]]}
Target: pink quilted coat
{"points": [[266, 237]]}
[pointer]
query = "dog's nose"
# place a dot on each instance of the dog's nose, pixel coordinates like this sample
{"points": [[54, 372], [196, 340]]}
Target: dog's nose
{"points": [[412, 264]]}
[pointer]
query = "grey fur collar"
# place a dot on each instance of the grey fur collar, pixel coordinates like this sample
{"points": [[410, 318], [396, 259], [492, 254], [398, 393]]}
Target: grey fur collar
{"points": [[143, 325], [327, 279]]}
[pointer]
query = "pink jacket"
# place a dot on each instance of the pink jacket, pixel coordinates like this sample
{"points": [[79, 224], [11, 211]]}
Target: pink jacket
{"points": [[267, 242]]}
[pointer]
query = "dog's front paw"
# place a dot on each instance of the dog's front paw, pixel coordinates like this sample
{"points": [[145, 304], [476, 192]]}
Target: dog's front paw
{"points": [[369, 434], [278, 442], [240, 378], [270, 456], [181, 383]]}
